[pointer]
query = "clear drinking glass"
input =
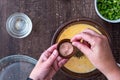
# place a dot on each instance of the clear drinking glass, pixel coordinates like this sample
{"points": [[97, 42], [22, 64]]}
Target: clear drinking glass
{"points": [[19, 25]]}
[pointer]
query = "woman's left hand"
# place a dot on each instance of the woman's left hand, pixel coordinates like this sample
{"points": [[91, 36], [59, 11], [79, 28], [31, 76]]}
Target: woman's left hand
{"points": [[48, 64]]}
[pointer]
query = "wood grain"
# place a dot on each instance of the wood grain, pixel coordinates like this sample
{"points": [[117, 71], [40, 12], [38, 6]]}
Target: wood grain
{"points": [[47, 16]]}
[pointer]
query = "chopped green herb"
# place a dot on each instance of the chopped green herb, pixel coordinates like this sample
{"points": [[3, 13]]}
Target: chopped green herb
{"points": [[109, 9], [78, 54]]}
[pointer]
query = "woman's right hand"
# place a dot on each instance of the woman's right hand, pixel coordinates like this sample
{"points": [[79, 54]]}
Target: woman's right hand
{"points": [[99, 53]]}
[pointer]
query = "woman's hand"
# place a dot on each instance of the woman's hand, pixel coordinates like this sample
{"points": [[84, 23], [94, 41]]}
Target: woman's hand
{"points": [[99, 52], [48, 64]]}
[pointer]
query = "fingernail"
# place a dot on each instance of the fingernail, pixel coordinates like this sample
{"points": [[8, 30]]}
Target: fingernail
{"points": [[55, 52], [74, 43], [71, 40]]}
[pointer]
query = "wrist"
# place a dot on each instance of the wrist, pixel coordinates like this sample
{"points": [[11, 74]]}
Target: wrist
{"points": [[33, 77], [114, 74]]}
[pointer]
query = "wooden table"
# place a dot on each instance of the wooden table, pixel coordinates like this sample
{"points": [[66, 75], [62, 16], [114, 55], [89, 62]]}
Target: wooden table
{"points": [[47, 16]]}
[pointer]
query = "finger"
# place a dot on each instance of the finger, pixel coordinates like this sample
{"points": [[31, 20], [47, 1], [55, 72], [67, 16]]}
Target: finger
{"points": [[62, 62], [84, 36], [44, 59], [55, 65], [52, 48], [45, 55], [83, 48], [59, 58], [91, 32], [86, 43], [52, 58], [49, 51]]}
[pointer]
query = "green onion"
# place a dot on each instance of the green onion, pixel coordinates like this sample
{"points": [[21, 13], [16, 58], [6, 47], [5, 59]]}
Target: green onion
{"points": [[109, 9]]}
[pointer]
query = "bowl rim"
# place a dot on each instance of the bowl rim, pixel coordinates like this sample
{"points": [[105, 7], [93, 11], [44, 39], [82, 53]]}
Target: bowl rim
{"points": [[16, 58], [98, 13], [99, 27]]}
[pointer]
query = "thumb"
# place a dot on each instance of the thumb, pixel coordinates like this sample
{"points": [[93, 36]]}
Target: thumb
{"points": [[83, 48], [52, 58]]}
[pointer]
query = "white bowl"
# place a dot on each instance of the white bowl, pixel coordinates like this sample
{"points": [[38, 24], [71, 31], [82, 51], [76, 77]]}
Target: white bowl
{"points": [[111, 21]]}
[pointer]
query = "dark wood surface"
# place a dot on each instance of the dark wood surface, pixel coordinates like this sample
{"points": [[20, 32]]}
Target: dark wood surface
{"points": [[47, 16]]}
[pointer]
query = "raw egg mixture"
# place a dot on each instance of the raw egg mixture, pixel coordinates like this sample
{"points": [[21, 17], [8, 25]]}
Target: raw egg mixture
{"points": [[82, 64]]}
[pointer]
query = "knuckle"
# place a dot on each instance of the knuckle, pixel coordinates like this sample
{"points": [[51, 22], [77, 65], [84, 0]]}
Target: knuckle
{"points": [[51, 57], [104, 37], [99, 40]]}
